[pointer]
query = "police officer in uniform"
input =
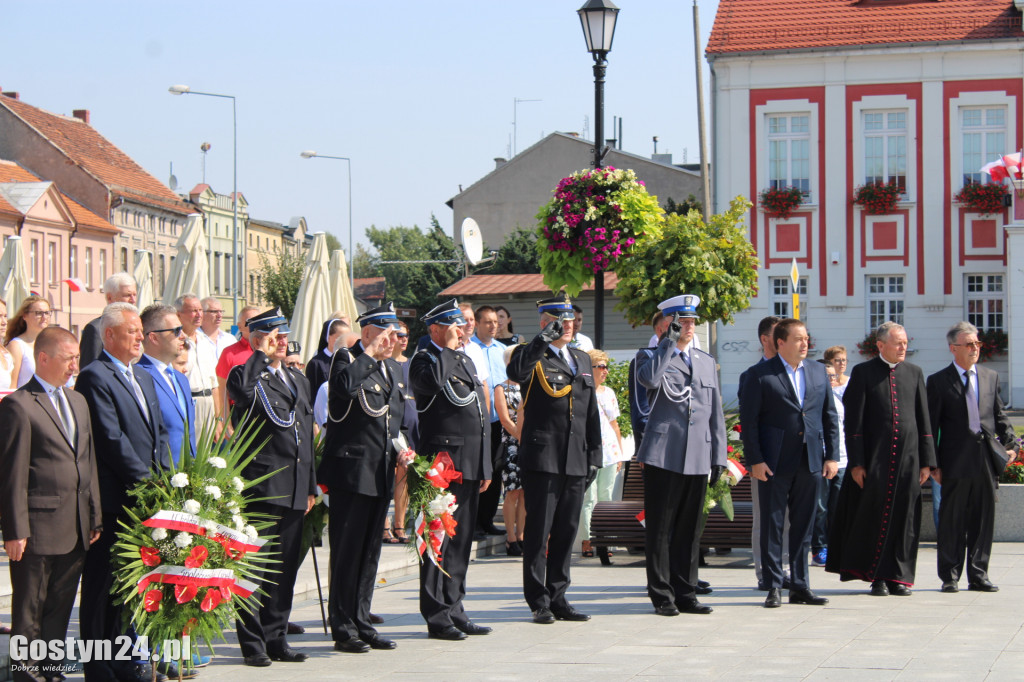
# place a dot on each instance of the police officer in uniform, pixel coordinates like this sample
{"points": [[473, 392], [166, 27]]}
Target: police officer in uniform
{"points": [[276, 398], [454, 419], [365, 407], [559, 453]]}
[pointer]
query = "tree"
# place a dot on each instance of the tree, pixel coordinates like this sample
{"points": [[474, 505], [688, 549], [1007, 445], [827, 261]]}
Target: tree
{"points": [[518, 255], [716, 262], [691, 203], [333, 244], [281, 279]]}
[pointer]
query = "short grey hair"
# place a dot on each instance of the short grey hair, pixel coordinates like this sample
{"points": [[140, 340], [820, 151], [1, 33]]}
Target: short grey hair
{"points": [[886, 328], [959, 328], [113, 315], [116, 281], [155, 315], [208, 300], [179, 302]]}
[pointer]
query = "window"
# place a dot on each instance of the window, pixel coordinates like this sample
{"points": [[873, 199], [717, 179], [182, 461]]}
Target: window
{"points": [[885, 148], [124, 259], [984, 139], [162, 272], [985, 296], [103, 265], [73, 261], [33, 260], [216, 273], [88, 267], [782, 296], [252, 287], [885, 300], [51, 263], [789, 152]]}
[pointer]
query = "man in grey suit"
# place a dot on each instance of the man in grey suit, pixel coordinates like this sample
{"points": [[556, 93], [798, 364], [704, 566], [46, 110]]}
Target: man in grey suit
{"points": [[683, 443]]}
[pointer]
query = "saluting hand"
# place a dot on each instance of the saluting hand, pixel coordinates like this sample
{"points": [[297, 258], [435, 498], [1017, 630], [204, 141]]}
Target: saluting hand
{"points": [[675, 329], [453, 336], [553, 331], [268, 344]]}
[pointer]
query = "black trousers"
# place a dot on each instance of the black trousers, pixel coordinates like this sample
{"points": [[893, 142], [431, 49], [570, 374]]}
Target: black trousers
{"points": [[440, 595], [489, 498], [44, 594], [265, 629], [99, 617], [356, 538], [672, 516], [797, 491], [553, 505], [966, 523]]}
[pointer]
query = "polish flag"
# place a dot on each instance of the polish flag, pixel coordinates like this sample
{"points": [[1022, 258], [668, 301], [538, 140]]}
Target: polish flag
{"points": [[642, 517], [74, 284], [737, 470]]}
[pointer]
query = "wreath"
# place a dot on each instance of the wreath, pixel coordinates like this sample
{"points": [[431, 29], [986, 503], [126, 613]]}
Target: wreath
{"points": [[593, 220], [430, 515]]}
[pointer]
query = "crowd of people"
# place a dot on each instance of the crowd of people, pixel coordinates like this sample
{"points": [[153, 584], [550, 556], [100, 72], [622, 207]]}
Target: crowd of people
{"points": [[527, 419]]}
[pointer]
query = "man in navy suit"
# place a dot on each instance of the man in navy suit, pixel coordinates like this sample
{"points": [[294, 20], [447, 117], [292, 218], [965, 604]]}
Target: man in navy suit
{"points": [[790, 438], [130, 441], [163, 343]]}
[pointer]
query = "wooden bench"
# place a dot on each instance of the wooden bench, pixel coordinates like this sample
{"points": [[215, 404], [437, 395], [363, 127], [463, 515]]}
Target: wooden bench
{"points": [[614, 524]]}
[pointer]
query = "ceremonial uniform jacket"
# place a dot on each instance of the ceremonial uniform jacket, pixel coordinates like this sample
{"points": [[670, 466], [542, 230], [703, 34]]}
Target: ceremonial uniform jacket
{"points": [[364, 412], [561, 425], [285, 418], [451, 419]]}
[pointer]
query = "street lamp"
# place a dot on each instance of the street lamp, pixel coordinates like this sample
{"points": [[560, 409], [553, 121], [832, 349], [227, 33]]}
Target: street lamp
{"points": [[186, 90], [310, 154], [598, 20]]}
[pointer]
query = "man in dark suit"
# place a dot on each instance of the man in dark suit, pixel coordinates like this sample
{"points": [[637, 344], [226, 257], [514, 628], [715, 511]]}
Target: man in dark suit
{"points": [[276, 399], [684, 443], [966, 411], [49, 495], [453, 419], [559, 454], [365, 408], [119, 288], [130, 440], [790, 438], [163, 343]]}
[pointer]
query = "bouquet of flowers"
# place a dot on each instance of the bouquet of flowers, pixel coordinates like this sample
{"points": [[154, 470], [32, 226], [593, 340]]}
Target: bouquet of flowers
{"points": [[593, 220], [720, 493], [431, 507], [187, 559]]}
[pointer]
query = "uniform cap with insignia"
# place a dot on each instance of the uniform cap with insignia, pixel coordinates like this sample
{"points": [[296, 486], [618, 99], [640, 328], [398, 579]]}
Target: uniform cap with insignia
{"points": [[268, 321], [383, 317], [557, 306], [445, 314], [682, 306]]}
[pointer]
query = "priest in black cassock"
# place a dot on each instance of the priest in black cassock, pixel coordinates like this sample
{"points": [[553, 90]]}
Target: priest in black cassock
{"points": [[891, 453]]}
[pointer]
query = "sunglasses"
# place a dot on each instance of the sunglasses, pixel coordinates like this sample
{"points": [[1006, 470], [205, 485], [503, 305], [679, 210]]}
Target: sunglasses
{"points": [[403, 336], [601, 367], [174, 330]]}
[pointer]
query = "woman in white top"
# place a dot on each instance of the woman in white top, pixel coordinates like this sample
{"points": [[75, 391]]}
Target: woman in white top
{"points": [[835, 357], [33, 317], [6, 361]]}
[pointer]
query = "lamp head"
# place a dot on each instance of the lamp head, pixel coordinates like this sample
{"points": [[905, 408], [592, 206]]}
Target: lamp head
{"points": [[308, 154], [179, 89], [598, 20]]}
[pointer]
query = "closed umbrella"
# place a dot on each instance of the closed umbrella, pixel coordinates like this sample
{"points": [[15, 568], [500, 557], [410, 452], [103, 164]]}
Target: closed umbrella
{"points": [[14, 286], [190, 271], [143, 274], [313, 305], [342, 298]]}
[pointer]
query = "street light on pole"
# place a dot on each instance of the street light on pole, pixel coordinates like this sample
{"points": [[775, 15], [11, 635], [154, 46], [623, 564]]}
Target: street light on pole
{"points": [[598, 20], [186, 90], [310, 154]]}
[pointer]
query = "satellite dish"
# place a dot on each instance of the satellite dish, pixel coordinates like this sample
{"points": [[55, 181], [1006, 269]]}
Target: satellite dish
{"points": [[472, 241], [173, 183]]}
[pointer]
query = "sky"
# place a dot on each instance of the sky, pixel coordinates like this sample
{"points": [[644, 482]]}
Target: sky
{"points": [[419, 95]]}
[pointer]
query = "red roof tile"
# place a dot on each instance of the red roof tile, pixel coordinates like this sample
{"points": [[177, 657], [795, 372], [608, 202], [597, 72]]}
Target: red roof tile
{"points": [[370, 288], [482, 285], [760, 25], [83, 145], [12, 172]]}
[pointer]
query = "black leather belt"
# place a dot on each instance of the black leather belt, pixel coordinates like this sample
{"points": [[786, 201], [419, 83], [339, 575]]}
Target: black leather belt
{"points": [[202, 394]]}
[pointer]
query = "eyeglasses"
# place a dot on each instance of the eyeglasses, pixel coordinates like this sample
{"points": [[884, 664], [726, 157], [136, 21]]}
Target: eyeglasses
{"points": [[839, 361], [213, 312], [604, 367], [976, 344], [403, 336], [41, 313], [174, 330]]}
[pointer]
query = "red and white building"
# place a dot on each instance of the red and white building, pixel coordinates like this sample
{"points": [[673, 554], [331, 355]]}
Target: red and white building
{"points": [[828, 95]]}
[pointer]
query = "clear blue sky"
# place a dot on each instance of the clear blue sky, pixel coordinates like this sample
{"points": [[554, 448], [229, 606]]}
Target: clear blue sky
{"points": [[418, 94]]}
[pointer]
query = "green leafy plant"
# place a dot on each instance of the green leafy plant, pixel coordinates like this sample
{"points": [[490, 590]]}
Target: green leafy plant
{"points": [[993, 342], [780, 202], [618, 381], [1014, 473], [877, 198], [984, 197], [720, 494], [315, 521], [281, 277]]}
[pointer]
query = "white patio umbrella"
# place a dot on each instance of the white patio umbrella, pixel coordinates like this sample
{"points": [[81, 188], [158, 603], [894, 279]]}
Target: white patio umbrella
{"points": [[14, 286], [313, 304], [143, 274], [190, 271], [342, 296]]}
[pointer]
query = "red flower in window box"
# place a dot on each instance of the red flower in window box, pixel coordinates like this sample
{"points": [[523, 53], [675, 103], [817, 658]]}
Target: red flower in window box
{"points": [[987, 197], [780, 202], [877, 198]]}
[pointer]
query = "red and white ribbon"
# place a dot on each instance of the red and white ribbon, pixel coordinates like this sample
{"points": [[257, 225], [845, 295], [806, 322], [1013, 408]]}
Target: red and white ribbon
{"points": [[200, 577], [190, 523]]}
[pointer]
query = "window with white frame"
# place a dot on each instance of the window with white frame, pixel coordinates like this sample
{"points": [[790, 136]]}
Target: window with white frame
{"points": [[124, 259], [103, 266], [789, 151], [885, 299], [984, 299], [88, 267], [51, 263], [885, 148], [782, 296], [73, 261], [984, 139], [33, 260]]}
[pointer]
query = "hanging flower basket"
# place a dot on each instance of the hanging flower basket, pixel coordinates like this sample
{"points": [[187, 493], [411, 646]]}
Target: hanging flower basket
{"points": [[593, 220], [877, 198], [780, 202], [987, 197]]}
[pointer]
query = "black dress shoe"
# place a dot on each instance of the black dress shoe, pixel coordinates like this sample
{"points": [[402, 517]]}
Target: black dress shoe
{"points": [[569, 613], [352, 645], [288, 655], [879, 589], [375, 619], [898, 589], [258, 660], [774, 598], [295, 629], [761, 587], [471, 628], [378, 642], [543, 616], [693, 606], [703, 587], [450, 633], [950, 587], [806, 597], [493, 530], [982, 586], [666, 610]]}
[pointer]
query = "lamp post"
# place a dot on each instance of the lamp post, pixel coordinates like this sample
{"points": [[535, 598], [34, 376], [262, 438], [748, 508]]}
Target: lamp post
{"points": [[186, 90], [598, 20], [310, 154]]}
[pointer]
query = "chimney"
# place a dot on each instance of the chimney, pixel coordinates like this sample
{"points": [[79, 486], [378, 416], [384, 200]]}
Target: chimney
{"points": [[499, 162], [81, 114], [13, 95]]}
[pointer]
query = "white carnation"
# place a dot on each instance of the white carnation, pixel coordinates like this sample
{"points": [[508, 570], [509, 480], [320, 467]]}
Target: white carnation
{"points": [[192, 506], [437, 506], [217, 462], [238, 522], [179, 480], [237, 482], [213, 491], [159, 534], [251, 532], [210, 526], [183, 539]]}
